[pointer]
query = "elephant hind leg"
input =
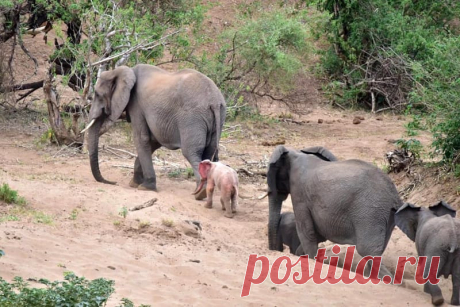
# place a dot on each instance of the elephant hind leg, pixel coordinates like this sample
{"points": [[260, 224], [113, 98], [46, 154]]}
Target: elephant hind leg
{"points": [[371, 242], [192, 148], [434, 290], [456, 282], [226, 199], [234, 201]]}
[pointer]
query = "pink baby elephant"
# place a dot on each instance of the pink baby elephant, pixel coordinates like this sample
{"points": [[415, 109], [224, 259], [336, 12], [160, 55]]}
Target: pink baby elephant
{"points": [[226, 180]]}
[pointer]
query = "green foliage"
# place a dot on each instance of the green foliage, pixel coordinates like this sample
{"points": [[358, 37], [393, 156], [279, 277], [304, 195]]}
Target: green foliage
{"points": [[10, 196], [415, 44], [2, 253], [263, 54], [73, 291], [123, 212], [412, 145], [441, 93]]}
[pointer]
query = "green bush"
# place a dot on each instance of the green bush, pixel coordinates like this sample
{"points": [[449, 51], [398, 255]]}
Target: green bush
{"points": [[260, 57], [412, 145], [397, 54], [10, 196], [74, 291]]}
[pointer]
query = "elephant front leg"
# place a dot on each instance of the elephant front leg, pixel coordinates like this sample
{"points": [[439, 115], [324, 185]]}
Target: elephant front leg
{"points": [[305, 230], [144, 155], [209, 191], [433, 290]]}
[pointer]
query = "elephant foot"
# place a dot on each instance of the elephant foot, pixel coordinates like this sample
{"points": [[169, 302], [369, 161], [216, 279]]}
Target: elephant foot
{"points": [[437, 300], [208, 205], [233, 210], [148, 185], [133, 183], [229, 215], [201, 195]]}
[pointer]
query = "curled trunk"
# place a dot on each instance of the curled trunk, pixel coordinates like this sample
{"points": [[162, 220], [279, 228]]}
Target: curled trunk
{"points": [[93, 143]]}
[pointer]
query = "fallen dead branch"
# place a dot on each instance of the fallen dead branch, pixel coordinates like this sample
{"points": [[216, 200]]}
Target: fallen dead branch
{"points": [[123, 151], [252, 173], [144, 205], [273, 143], [123, 166]]}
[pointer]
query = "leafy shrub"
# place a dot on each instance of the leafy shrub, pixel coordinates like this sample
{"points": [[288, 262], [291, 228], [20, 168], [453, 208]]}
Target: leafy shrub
{"points": [[259, 58], [397, 54], [74, 291], [412, 145], [10, 196]]}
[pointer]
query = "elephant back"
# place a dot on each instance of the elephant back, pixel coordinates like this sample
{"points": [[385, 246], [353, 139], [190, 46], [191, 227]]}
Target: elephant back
{"points": [[320, 152]]}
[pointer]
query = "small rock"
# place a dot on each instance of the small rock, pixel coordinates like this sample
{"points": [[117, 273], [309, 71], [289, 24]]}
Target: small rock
{"points": [[320, 121], [224, 287], [196, 223], [379, 118], [111, 267], [356, 121], [360, 117], [195, 260], [190, 229]]}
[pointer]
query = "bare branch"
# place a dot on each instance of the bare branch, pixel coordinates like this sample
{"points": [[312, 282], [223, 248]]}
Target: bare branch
{"points": [[145, 46]]}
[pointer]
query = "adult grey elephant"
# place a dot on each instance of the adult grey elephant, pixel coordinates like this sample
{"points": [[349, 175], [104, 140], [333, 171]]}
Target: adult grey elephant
{"points": [[346, 202], [436, 232], [184, 109]]}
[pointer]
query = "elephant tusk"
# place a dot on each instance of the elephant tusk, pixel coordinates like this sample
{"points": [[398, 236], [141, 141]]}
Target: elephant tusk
{"points": [[262, 196], [87, 127]]}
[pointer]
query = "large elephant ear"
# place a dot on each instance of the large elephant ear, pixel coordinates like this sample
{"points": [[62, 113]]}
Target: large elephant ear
{"points": [[406, 219], [442, 208], [274, 166], [118, 83], [320, 152]]}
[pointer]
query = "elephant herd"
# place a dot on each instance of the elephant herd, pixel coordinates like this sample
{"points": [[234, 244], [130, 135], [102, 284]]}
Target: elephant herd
{"points": [[346, 202]]}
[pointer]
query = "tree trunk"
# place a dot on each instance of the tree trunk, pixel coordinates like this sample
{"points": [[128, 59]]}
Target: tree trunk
{"points": [[62, 135]]}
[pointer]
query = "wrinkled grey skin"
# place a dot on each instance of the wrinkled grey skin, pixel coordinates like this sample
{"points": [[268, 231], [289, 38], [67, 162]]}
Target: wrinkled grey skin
{"points": [[435, 232], [287, 233], [183, 110], [346, 202]]}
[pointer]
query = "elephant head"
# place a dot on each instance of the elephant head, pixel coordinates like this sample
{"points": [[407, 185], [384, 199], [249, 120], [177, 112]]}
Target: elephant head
{"points": [[278, 184], [407, 217], [112, 94]]}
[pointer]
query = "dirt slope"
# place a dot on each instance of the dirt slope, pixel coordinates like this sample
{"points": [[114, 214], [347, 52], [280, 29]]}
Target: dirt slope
{"points": [[156, 264]]}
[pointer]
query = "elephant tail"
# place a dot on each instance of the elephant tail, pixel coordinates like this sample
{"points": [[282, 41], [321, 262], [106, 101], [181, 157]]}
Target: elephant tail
{"points": [[217, 121], [453, 239]]}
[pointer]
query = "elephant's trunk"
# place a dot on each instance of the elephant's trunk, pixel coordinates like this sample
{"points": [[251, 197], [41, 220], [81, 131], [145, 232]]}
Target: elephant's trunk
{"points": [[274, 202], [93, 143]]}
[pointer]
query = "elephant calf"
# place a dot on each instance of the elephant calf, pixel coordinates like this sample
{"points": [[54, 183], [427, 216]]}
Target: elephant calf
{"points": [[226, 180], [435, 232], [287, 233]]}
